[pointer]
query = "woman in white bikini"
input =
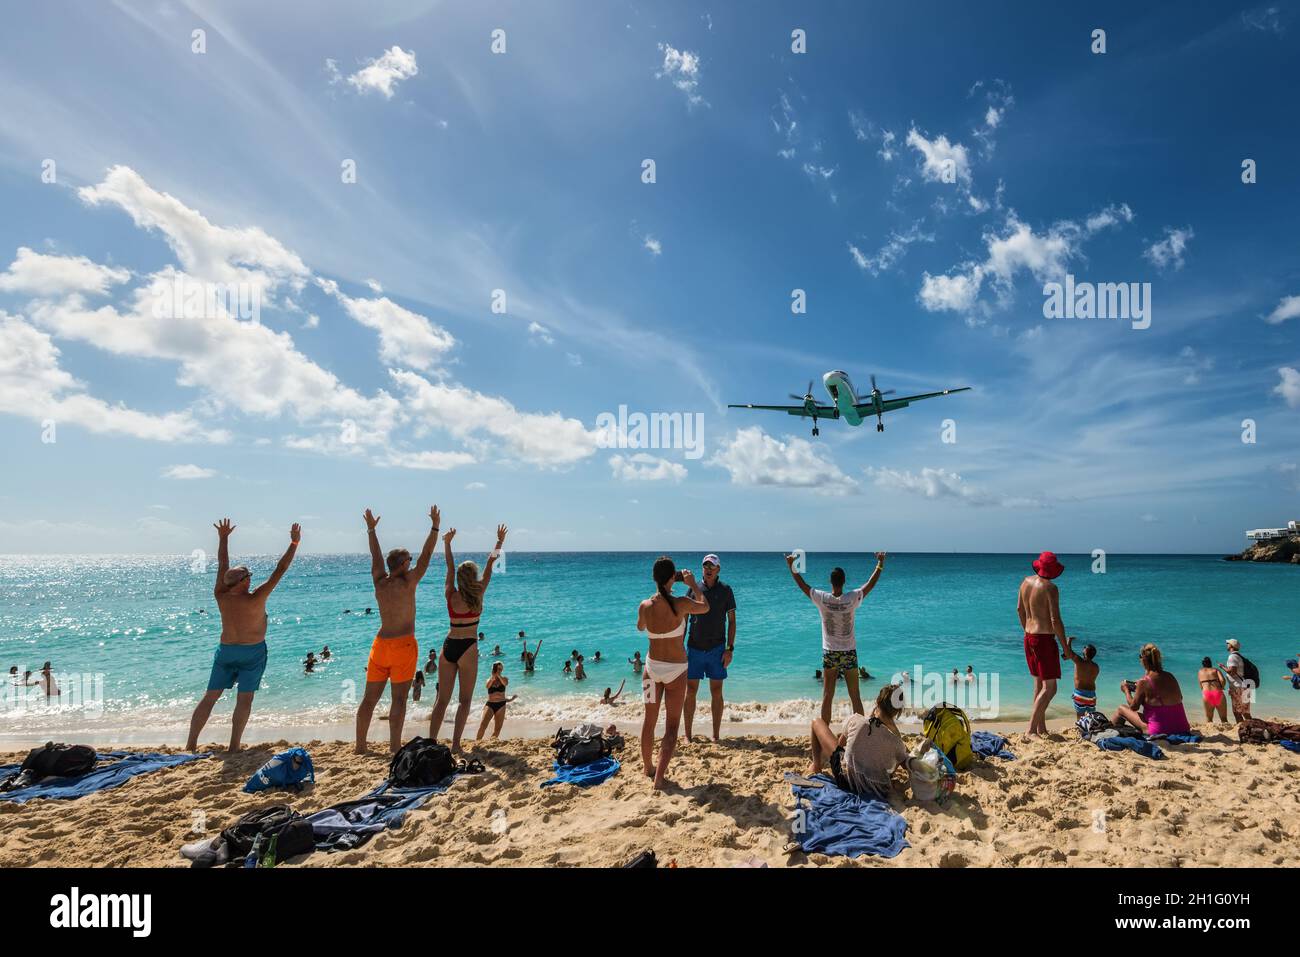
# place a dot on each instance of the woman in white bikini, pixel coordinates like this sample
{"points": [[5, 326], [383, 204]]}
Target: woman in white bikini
{"points": [[663, 617]]}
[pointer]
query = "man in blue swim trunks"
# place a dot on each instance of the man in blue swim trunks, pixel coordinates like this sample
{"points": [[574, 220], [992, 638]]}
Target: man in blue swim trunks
{"points": [[710, 645], [241, 656]]}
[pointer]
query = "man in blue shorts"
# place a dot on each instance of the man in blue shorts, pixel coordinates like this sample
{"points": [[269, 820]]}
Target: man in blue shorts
{"points": [[241, 655], [710, 644]]}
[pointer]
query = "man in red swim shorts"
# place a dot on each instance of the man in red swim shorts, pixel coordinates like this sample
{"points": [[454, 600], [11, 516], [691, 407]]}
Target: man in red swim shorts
{"points": [[1040, 617]]}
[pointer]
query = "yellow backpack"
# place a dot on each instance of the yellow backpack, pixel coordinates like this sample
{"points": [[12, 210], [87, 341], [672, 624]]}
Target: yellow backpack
{"points": [[949, 728]]}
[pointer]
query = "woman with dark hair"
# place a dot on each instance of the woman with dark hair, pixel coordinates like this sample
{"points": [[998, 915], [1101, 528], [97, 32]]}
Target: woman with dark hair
{"points": [[862, 759], [1212, 696], [1155, 702], [662, 617], [459, 659], [495, 706]]}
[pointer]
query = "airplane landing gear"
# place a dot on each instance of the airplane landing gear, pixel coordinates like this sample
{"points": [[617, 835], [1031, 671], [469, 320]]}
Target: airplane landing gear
{"points": [[880, 426], [816, 432]]}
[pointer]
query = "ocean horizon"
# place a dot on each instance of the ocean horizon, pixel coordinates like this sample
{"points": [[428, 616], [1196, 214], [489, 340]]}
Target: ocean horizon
{"points": [[131, 638]]}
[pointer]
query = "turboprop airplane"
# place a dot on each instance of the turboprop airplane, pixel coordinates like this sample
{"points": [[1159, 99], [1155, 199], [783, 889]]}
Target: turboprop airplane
{"points": [[844, 402]]}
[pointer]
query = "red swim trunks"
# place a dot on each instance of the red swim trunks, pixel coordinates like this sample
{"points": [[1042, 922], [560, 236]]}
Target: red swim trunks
{"points": [[1043, 655]]}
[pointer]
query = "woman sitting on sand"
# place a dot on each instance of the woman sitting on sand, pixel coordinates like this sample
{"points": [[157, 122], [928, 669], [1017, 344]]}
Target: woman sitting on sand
{"points": [[663, 679], [458, 662], [862, 759], [1155, 702], [608, 698], [495, 707], [1212, 687]]}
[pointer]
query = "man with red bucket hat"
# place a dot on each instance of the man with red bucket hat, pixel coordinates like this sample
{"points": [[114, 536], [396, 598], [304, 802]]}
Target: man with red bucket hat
{"points": [[1040, 617]]}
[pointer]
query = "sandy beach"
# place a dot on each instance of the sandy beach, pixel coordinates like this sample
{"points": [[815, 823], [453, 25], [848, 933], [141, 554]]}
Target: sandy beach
{"points": [[1062, 802]]}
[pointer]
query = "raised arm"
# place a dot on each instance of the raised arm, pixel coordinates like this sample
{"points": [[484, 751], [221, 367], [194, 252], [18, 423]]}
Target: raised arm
{"points": [[621, 686], [487, 571], [1069, 653], [426, 553], [450, 585], [224, 528], [295, 536], [798, 579], [875, 575], [696, 603], [376, 554]]}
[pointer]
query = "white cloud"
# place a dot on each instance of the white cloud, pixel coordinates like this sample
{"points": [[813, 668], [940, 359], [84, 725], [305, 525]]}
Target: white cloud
{"points": [[951, 293], [405, 338], [382, 74], [682, 67], [937, 483], [643, 467], [543, 439], [33, 386], [540, 333], [938, 156], [891, 252], [1288, 308], [1110, 216], [188, 472], [433, 461], [755, 458], [475, 486], [1289, 386], [374, 287], [40, 275], [1169, 251], [652, 244]]}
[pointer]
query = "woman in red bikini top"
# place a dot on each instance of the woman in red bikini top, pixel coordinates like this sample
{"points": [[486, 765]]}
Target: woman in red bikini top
{"points": [[459, 659]]}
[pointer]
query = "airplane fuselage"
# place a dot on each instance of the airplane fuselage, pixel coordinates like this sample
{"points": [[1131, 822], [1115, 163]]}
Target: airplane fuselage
{"points": [[843, 396]]}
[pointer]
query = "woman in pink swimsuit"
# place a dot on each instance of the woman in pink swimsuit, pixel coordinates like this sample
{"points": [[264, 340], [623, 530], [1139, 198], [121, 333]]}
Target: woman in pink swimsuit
{"points": [[1155, 702]]}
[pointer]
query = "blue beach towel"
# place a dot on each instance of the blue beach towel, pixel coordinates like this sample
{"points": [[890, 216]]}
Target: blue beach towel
{"points": [[1192, 738], [122, 768], [288, 769], [352, 823], [1140, 745], [990, 745], [839, 823], [1291, 745], [584, 775]]}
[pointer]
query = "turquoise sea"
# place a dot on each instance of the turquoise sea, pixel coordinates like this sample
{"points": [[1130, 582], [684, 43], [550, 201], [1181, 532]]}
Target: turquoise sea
{"points": [[131, 638]]}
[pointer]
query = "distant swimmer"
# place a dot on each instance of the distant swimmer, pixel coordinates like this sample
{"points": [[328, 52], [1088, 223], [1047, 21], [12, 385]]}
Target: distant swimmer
{"points": [[431, 664], [309, 665], [458, 664], [47, 683], [325, 653], [369, 610], [494, 709], [347, 611], [568, 666], [1039, 608], [636, 662], [579, 673], [838, 610], [497, 652], [596, 656], [241, 655], [530, 657], [970, 673], [608, 698], [417, 685], [864, 674], [394, 654]]}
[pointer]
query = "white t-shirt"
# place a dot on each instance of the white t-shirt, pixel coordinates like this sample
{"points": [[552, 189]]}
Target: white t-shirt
{"points": [[1234, 661], [837, 618]]}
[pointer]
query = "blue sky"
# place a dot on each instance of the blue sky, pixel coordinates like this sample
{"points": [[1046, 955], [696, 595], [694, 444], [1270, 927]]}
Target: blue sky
{"points": [[377, 373]]}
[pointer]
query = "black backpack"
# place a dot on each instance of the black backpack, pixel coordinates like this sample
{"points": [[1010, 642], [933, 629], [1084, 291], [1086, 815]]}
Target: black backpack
{"points": [[421, 763], [580, 746], [1249, 671], [278, 825], [53, 761]]}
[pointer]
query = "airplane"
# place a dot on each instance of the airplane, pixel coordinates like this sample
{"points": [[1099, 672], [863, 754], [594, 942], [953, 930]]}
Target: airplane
{"points": [[844, 402]]}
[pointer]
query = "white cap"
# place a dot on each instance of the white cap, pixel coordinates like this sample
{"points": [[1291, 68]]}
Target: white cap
{"points": [[711, 559]]}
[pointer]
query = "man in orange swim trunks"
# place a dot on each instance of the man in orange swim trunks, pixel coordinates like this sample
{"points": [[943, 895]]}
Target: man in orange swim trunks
{"points": [[394, 655], [1040, 618]]}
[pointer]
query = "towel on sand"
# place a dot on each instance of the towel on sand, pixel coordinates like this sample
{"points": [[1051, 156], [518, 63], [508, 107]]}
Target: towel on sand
{"points": [[122, 768], [1140, 745], [1192, 738], [350, 824], [840, 823], [584, 775], [1291, 746], [990, 745]]}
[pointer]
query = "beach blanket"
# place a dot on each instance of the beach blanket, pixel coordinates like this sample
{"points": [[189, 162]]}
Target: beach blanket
{"points": [[584, 775], [1140, 745], [1192, 738], [350, 824], [122, 767], [836, 822], [990, 745], [1291, 746]]}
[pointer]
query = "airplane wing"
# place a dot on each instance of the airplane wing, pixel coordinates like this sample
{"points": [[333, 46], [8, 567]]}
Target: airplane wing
{"points": [[889, 405], [823, 411]]}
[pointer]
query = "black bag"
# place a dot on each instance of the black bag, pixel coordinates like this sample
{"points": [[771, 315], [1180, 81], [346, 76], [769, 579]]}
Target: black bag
{"points": [[579, 746], [421, 763], [644, 859], [60, 761], [277, 826], [1249, 671]]}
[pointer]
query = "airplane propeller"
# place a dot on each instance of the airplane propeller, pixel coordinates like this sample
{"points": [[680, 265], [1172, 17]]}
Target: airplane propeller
{"points": [[876, 391], [807, 396]]}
